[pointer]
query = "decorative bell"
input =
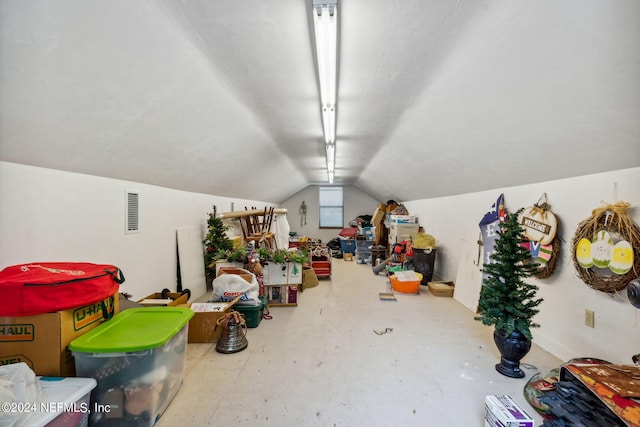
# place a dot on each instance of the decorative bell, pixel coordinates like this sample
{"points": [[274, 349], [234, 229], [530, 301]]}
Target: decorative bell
{"points": [[233, 337]]}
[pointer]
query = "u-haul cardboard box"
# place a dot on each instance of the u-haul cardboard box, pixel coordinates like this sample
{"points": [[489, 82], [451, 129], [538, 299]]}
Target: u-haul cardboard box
{"points": [[42, 341]]}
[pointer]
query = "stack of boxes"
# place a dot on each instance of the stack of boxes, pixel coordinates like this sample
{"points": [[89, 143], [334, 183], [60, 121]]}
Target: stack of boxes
{"points": [[401, 227], [41, 341]]}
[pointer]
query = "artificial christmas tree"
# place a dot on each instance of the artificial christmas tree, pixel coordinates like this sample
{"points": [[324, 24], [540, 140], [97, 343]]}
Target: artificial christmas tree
{"points": [[506, 300], [215, 241]]}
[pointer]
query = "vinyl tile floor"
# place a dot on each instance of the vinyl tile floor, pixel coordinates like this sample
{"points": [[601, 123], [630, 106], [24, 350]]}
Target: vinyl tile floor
{"points": [[323, 364]]}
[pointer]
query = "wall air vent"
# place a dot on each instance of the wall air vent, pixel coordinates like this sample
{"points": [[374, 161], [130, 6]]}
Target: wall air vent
{"points": [[132, 224]]}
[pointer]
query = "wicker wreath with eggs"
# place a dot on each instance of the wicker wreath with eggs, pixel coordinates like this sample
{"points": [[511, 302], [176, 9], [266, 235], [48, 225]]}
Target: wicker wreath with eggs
{"points": [[596, 231]]}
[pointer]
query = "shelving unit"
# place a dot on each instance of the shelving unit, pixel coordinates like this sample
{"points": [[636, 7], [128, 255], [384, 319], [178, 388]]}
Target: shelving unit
{"points": [[281, 282], [282, 295]]}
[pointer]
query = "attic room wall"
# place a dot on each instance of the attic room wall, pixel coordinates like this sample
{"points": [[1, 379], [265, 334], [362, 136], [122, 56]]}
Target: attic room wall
{"points": [[356, 203], [50, 215], [454, 222]]}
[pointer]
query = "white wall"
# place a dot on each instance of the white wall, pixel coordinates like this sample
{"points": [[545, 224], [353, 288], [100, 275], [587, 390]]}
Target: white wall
{"points": [[50, 215], [356, 203], [616, 336]]}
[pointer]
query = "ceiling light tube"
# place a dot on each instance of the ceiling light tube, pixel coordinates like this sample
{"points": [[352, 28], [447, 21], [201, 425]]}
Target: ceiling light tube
{"points": [[325, 20], [331, 153], [329, 123]]}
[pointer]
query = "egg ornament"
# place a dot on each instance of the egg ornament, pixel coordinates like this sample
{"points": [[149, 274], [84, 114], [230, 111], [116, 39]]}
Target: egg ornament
{"points": [[583, 253], [621, 257], [601, 249]]}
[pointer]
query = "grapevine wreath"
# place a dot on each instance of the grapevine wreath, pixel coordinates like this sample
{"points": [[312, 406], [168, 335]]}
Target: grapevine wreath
{"points": [[601, 264]]}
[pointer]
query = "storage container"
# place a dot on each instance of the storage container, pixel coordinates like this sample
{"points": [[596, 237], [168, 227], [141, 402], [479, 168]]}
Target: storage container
{"points": [[138, 360], [424, 262], [441, 289], [348, 245], [378, 252], [402, 219], [407, 282], [364, 245], [65, 402], [42, 341], [252, 314]]}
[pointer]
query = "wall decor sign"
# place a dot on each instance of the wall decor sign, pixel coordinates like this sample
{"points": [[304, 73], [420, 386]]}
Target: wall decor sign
{"points": [[539, 223], [540, 228], [606, 248], [489, 227]]}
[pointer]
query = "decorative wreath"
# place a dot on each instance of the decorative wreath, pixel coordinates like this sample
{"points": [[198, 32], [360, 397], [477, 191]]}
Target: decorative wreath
{"points": [[541, 225], [547, 269], [614, 219]]}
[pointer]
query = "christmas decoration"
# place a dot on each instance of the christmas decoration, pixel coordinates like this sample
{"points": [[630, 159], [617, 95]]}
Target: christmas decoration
{"points": [[506, 300], [216, 240]]}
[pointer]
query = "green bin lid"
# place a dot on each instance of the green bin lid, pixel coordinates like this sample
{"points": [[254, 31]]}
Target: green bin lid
{"points": [[134, 329]]}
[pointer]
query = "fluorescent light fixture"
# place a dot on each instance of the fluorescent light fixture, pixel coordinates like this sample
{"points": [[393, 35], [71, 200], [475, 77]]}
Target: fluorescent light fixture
{"points": [[325, 21], [329, 123], [331, 155]]}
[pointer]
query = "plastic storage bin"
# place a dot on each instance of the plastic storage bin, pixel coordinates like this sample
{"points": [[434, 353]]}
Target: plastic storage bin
{"points": [[138, 359], [65, 402], [363, 251], [252, 313], [348, 245]]}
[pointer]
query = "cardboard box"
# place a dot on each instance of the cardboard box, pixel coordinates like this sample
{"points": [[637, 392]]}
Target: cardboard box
{"points": [[289, 273], [504, 411], [203, 324], [42, 341], [246, 275], [170, 299], [441, 289], [378, 214], [223, 264], [402, 219]]}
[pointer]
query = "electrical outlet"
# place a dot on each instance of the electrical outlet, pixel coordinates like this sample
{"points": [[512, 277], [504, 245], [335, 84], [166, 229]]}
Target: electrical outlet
{"points": [[589, 318]]}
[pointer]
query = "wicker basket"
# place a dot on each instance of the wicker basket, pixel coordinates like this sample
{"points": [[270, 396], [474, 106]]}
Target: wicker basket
{"points": [[309, 278]]}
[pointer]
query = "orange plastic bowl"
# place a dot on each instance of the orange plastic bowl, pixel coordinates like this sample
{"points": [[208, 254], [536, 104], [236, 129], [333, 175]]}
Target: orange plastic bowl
{"points": [[408, 287]]}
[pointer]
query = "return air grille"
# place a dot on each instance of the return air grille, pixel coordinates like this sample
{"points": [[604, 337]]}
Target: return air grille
{"points": [[132, 214]]}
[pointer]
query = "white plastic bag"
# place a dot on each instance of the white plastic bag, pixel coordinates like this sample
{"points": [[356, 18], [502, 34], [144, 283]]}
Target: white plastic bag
{"points": [[228, 286], [20, 390]]}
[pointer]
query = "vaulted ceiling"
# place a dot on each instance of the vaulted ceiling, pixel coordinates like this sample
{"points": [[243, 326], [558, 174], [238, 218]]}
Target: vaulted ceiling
{"points": [[435, 97]]}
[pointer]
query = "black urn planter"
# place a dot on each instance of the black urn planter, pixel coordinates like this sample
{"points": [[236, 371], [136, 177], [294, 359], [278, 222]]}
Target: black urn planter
{"points": [[513, 348]]}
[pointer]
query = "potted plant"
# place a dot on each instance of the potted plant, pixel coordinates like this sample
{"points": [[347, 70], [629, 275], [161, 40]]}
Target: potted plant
{"points": [[238, 256], [508, 302], [215, 243]]}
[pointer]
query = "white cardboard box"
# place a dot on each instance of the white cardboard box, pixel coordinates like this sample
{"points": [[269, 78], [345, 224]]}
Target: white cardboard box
{"points": [[503, 411], [402, 219]]}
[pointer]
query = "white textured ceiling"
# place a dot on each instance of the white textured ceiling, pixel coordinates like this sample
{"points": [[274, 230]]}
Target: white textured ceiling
{"points": [[435, 97]]}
